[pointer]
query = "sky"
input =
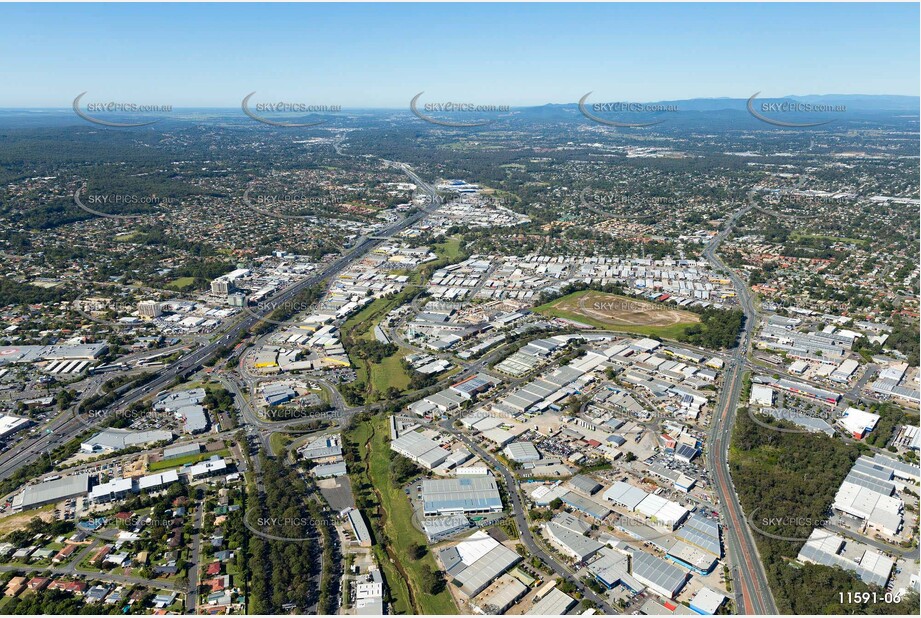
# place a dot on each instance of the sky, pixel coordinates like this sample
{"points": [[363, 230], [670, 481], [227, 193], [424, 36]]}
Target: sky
{"points": [[381, 55]]}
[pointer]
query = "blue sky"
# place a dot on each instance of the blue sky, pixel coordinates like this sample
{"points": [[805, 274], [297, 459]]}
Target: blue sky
{"points": [[380, 55]]}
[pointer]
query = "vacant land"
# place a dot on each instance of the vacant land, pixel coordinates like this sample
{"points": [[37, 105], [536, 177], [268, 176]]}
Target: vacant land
{"points": [[614, 312]]}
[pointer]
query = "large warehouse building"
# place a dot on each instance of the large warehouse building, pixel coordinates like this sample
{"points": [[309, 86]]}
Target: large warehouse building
{"points": [[34, 496], [471, 494]]}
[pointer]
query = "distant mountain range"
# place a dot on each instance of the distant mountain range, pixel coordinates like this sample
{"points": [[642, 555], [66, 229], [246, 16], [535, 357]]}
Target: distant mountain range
{"points": [[853, 102]]}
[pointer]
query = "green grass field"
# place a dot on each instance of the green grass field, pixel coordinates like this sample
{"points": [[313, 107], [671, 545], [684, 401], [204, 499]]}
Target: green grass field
{"points": [[182, 283], [398, 526], [566, 308], [188, 459]]}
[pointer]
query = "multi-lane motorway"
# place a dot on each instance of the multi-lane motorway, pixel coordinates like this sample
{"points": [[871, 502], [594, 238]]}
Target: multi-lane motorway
{"points": [[67, 426], [753, 594]]}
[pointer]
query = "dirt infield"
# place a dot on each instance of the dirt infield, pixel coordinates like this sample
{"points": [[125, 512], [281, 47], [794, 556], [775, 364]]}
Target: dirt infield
{"points": [[604, 310]]}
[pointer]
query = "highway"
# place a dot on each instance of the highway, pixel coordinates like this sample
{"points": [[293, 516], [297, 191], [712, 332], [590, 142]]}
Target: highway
{"points": [[66, 426], [753, 594]]}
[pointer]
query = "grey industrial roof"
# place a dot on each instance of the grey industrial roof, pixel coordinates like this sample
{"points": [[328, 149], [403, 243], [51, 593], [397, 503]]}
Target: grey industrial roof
{"points": [[815, 551], [52, 491], [578, 544], [585, 483], [905, 469], [359, 526], [117, 439], [328, 470], [436, 527], [881, 487], [522, 451], [595, 509], [181, 450], [868, 467], [624, 494], [702, 532], [555, 603], [476, 577], [471, 493], [194, 418], [567, 520], [451, 559], [661, 573], [611, 567]]}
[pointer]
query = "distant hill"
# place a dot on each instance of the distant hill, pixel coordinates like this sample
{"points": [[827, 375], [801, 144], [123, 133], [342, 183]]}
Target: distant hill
{"points": [[853, 102]]}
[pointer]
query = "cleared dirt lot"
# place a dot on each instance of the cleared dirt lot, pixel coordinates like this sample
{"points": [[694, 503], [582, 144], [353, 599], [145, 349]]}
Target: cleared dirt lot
{"points": [[604, 310]]}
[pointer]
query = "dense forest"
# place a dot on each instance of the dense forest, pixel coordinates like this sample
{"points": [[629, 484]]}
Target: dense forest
{"points": [[718, 329], [285, 573]]}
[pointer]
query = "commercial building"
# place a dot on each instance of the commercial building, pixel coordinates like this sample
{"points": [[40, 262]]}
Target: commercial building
{"points": [[805, 390], [762, 395], [150, 309], [154, 482], [707, 602], [116, 489], [211, 467], [858, 422], [12, 424], [470, 494]]}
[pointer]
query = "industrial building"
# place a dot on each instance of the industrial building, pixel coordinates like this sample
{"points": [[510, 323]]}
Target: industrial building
{"points": [[112, 439], [868, 493], [660, 576], [182, 450], [12, 424], [707, 602], [185, 405], [438, 528], [469, 494], [522, 452], [34, 496], [574, 545], [554, 602], [359, 528], [325, 449], [824, 547], [665, 513], [612, 568], [858, 423], [420, 450], [476, 562]]}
